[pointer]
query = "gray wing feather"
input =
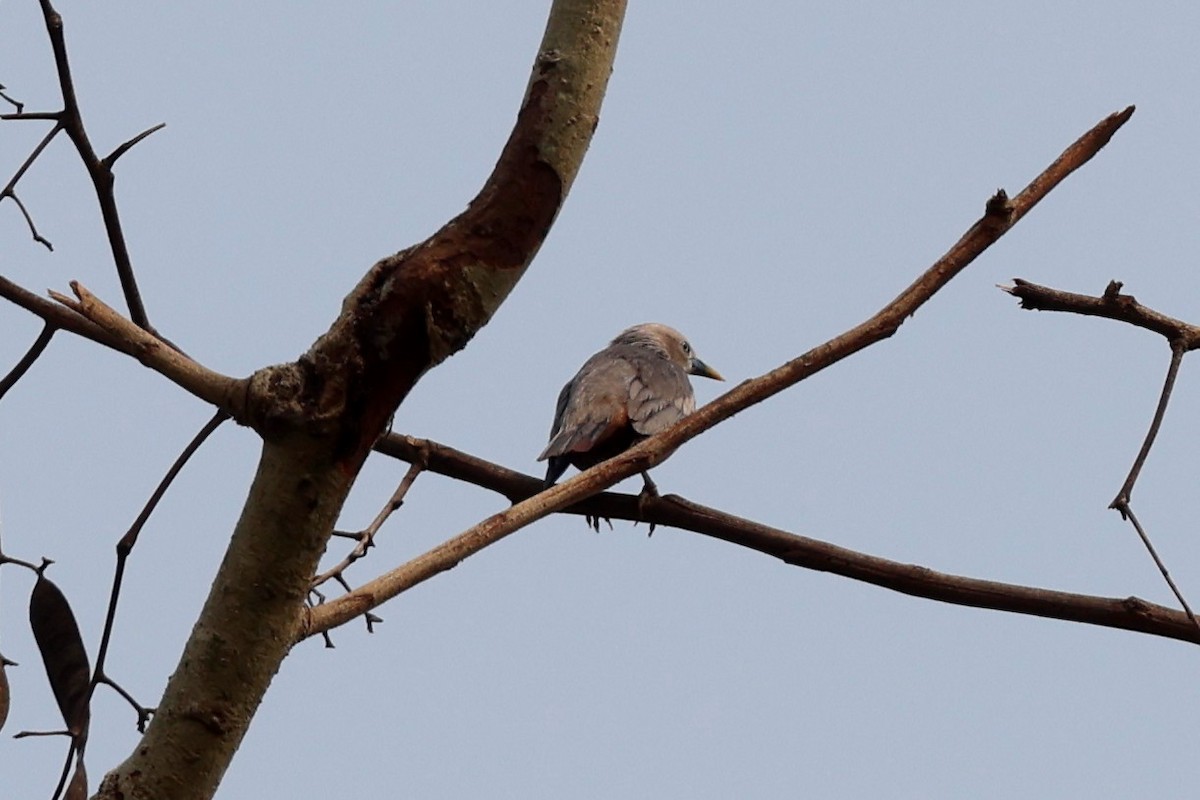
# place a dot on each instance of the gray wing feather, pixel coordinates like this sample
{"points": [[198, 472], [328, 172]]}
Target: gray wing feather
{"points": [[591, 404], [659, 395]]}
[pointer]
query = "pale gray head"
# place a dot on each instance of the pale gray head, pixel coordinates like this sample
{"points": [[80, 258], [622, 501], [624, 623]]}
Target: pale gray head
{"points": [[668, 342]]}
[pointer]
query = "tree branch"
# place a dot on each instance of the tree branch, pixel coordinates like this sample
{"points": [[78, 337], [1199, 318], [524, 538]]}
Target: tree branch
{"points": [[35, 350], [57, 315], [1183, 337], [1131, 613], [1111, 305], [71, 120], [999, 216], [227, 394]]}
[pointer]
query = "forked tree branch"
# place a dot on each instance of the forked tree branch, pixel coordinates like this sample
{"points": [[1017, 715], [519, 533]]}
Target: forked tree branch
{"points": [[99, 169], [1183, 337], [1000, 215]]}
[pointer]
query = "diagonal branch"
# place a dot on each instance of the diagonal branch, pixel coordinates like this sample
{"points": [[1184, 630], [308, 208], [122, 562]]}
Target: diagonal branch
{"points": [[365, 539], [228, 394], [58, 315], [125, 547], [1000, 215]]}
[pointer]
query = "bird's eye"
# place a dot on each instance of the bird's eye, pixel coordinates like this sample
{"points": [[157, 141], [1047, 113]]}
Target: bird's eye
{"points": [[687, 349]]}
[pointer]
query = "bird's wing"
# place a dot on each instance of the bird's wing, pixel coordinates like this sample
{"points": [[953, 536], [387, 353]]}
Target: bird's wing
{"points": [[660, 394], [592, 406]]}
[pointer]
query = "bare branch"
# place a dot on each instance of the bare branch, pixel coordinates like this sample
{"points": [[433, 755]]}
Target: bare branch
{"points": [[9, 189], [1127, 513], [31, 355], [18, 105], [125, 547], [125, 147], [1182, 337], [1129, 613], [1125, 494], [71, 119], [366, 537], [32, 116], [143, 712], [1111, 305], [33, 231], [220, 390], [59, 316], [999, 216], [129, 540]]}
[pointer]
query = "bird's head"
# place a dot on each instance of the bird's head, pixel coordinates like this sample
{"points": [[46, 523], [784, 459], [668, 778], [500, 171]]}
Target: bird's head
{"points": [[670, 343]]}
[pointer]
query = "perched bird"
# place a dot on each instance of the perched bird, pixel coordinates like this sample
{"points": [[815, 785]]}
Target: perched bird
{"points": [[635, 387]]}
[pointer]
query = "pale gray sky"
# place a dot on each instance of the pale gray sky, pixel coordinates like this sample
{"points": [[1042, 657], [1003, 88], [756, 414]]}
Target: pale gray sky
{"points": [[762, 179]]}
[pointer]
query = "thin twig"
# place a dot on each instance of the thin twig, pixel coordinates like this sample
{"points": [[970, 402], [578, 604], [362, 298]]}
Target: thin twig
{"points": [[28, 162], [32, 116], [33, 231], [366, 537], [1125, 494], [130, 538], [66, 771], [125, 547], [143, 712], [17, 104], [27, 360], [9, 189], [102, 177], [1127, 513], [124, 147]]}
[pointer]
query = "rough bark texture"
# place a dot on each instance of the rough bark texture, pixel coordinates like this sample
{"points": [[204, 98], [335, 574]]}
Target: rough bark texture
{"points": [[320, 416]]}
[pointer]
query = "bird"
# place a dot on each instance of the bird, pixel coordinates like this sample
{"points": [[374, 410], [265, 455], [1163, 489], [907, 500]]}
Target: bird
{"points": [[635, 387]]}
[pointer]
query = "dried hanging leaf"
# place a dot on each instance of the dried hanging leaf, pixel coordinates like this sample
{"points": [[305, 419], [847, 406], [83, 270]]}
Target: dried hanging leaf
{"points": [[4, 691], [61, 646], [77, 788]]}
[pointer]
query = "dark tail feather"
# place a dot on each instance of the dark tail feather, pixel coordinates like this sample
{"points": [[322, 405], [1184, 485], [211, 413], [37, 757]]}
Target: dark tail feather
{"points": [[555, 467]]}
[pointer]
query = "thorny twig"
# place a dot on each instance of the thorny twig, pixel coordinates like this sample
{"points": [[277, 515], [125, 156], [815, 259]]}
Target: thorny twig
{"points": [[366, 537], [365, 540]]}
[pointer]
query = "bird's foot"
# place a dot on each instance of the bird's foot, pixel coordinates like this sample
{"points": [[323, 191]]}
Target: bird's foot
{"points": [[648, 493], [593, 522]]}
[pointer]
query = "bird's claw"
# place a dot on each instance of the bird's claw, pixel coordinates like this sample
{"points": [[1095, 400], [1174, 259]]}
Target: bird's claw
{"points": [[593, 522], [648, 493]]}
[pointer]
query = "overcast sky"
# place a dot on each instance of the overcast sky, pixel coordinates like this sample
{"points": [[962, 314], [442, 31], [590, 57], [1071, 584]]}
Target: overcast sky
{"points": [[762, 178]]}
